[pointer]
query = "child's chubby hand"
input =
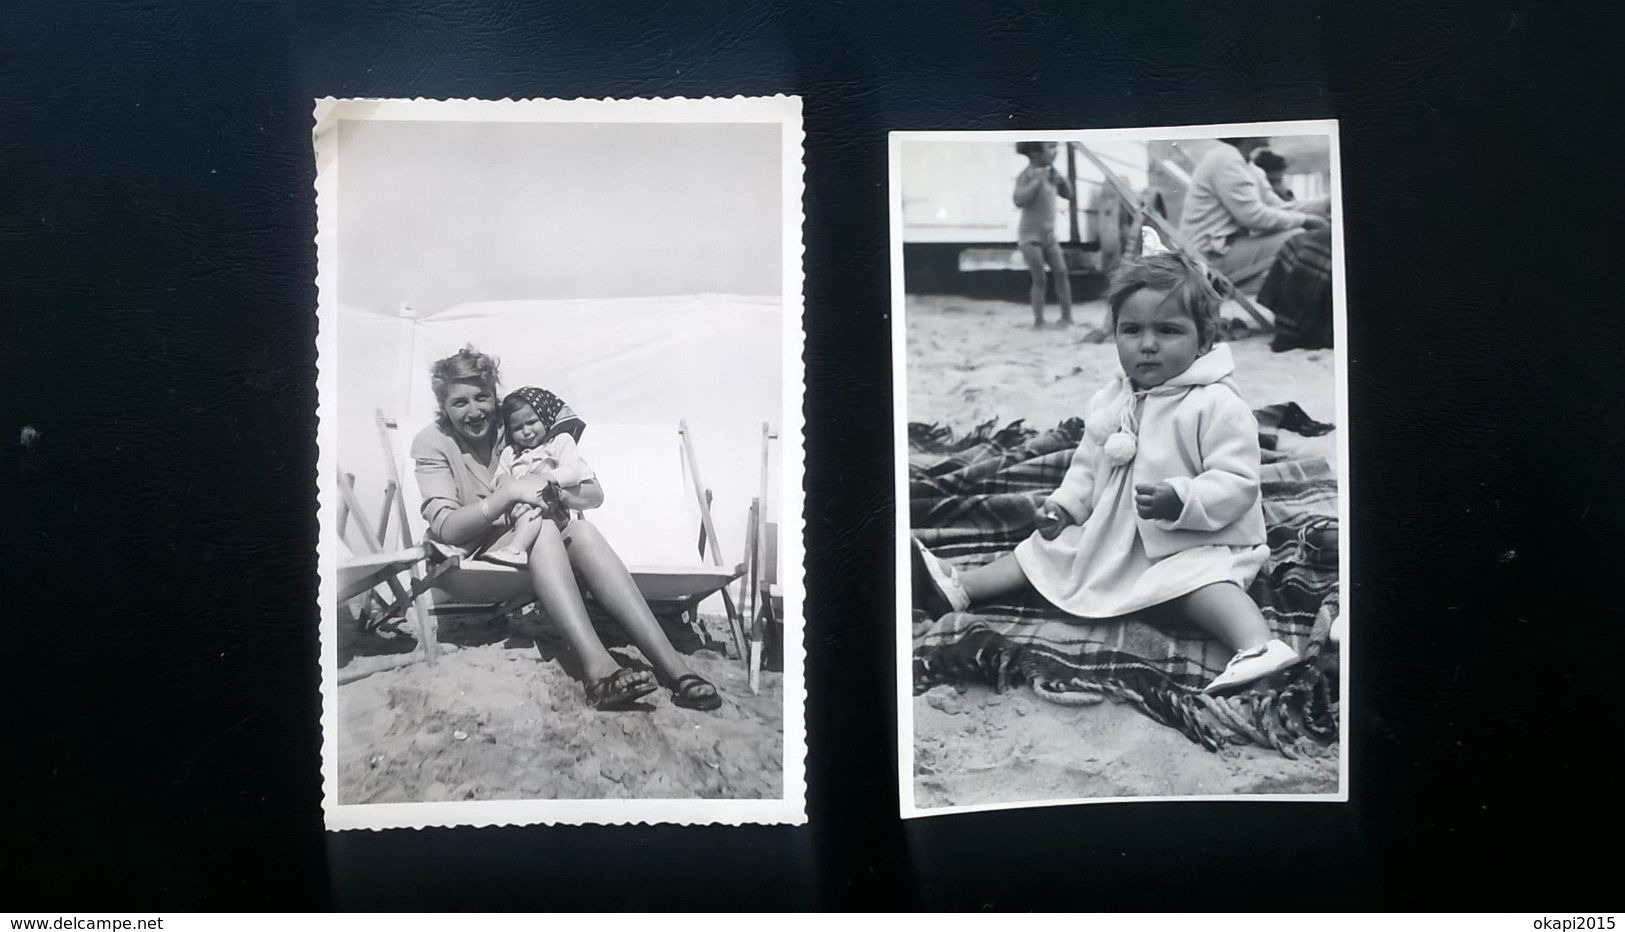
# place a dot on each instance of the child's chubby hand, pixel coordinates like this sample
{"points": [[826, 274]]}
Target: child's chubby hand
{"points": [[1157, 501], [527, 490], [1053, 519]]}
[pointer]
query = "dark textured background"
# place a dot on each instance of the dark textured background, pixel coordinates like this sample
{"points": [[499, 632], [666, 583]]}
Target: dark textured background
{"points": [[157, 595]]}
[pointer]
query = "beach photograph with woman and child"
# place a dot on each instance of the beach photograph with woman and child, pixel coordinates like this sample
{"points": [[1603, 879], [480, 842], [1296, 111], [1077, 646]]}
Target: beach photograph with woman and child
{"points": [[1122, 440], [559, 422]]}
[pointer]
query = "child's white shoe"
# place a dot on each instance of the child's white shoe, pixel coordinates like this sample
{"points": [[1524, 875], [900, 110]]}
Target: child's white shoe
{"points": [[506, 556], [937, 583], [1339, 630], [1252, 664]]}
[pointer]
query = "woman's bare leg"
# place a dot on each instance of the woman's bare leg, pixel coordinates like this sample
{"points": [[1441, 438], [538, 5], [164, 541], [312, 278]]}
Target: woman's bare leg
{"points": [[556, 590], [1063, 281], [1034, 254], [989, 580], [615, 589], [1225, 611]]}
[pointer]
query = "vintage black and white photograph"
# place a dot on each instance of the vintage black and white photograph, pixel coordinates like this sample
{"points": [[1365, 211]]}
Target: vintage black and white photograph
{"points": [[560, 461], [1121, 451]]}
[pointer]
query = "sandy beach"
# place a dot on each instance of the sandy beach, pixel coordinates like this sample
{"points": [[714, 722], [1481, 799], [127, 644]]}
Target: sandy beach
{"points": [[498, 721], [972, 361]]}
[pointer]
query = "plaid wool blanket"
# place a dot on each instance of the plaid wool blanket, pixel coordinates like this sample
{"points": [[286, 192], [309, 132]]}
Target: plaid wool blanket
{"points": [[973, 498], [1298, 290]]}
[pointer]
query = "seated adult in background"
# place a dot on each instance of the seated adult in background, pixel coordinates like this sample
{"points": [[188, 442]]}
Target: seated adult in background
{"points": [[1274, 169], [1299, 290], [1276, 192], [1228, 219]]}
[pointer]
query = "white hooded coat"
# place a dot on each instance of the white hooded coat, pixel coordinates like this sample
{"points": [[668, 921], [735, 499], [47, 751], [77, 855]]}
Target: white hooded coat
{"points": [[1193, 432]]}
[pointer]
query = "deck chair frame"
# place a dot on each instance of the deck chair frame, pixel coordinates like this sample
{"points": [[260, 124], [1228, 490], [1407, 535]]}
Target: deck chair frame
{"points": [[410, 558], [759, 595], [1144, 214], [435, 568], [708, 534]]}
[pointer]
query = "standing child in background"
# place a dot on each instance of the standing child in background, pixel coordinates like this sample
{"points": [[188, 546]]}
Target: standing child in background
{"points": [[542, 432], [1160, 507], [1036, 189]]}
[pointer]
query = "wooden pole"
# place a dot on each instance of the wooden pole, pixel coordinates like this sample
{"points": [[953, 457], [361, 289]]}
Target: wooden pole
{"points": [[750, 557], [344, 509], [759, 574], [702, 524], [353, 505], [1072, 202], [1166, 230], [415, 613], [390, 488], [735, 623], [753, 586]]}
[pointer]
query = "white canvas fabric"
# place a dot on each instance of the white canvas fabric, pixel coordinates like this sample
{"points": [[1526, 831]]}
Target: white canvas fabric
{"points": [[632, 368]]}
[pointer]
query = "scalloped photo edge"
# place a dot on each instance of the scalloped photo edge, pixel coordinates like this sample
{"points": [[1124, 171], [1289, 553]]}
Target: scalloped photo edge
{"points": [[789, 807]]}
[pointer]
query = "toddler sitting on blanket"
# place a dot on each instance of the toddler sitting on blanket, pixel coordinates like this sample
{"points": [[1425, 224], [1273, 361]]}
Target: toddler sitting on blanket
{"points": [[542, 432], [1160, 505]]}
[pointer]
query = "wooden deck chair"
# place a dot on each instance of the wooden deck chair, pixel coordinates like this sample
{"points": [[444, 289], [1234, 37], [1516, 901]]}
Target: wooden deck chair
{"points": [[762, 598], [458, 585], [760, 594], [360, 576], [708, 535], [1144, 215]]}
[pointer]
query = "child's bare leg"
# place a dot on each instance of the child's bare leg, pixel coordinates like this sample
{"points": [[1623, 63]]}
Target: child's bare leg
{"points": [[940, 588], [1225, 611], [1063, 282], [525, 528], [991, 580], [1034, 254], [514, 547]]}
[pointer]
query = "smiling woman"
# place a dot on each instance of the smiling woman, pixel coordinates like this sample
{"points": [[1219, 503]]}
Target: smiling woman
{"points": [[466, 506], [642, 259]]}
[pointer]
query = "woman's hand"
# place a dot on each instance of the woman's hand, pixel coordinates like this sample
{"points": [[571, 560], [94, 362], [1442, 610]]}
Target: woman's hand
{"points": [[587, 495], [1157, 502], [525, 490], [1053, 519]]}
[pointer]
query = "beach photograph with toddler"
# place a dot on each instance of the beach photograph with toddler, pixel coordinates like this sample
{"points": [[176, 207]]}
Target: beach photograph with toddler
{"points": [[560, 392], [1120, 450]]}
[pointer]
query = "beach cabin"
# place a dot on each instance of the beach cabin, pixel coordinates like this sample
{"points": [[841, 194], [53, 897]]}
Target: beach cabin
{"points": [[959, 223]]}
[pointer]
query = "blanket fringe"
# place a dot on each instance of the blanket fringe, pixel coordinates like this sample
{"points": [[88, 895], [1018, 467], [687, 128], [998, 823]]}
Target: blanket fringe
{"points": [[1292, 712], [939, 438]]}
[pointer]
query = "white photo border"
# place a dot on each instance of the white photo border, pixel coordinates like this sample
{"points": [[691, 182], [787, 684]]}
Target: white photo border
{"points": [[905, 641], [790, 808]]}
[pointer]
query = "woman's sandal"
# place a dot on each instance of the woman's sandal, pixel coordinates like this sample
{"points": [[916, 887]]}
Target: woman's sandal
{"points": [[689, 693], [620, 688]]}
